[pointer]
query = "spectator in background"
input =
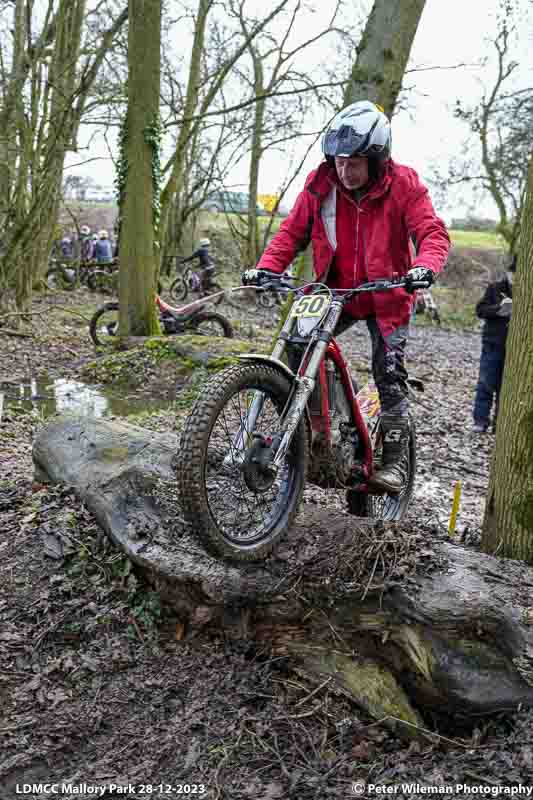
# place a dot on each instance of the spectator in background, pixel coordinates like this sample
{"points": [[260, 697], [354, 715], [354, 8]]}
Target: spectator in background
{"points": [[66, 247], [103, 252], [495, 309], [86, 244]]}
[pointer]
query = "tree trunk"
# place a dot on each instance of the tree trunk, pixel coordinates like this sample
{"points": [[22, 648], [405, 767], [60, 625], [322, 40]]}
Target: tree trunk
{"points": [[255, 160], [138, 314], [380, 616], [383, 52], [175, 182], [12, 107], [508, 523]]}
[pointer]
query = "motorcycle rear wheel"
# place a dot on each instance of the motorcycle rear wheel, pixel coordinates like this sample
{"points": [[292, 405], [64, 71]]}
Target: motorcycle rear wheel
{"points": [[233, 507], [104, 325], [211, 324], [103, 282], [386, 507]]}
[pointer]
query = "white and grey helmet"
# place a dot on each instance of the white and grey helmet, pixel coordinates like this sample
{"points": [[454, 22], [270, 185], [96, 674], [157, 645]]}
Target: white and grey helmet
{"points": [[360, 129]]}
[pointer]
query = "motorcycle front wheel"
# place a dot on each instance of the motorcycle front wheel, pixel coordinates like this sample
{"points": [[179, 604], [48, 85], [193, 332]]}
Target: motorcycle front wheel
{"points": [[234, 505], [178, 290], [103, 326]]}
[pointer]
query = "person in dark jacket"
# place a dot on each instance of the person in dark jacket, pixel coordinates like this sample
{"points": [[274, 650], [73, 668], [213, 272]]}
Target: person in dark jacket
{"points": [[361, 211], [66, 247], [205, 263], [86, 244], [103, 251], [495, 309]]}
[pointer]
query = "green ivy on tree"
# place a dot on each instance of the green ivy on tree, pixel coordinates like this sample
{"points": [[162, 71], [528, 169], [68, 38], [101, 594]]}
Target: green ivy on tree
{"points": [[122, 170], [153, 134]]}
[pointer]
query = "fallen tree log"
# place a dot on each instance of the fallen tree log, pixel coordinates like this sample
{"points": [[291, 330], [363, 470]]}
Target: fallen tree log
{"points": [[372, 611]]}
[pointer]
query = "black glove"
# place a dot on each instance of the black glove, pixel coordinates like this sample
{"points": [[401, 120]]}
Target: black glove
{"points": [[417, 274], [257, 277]]}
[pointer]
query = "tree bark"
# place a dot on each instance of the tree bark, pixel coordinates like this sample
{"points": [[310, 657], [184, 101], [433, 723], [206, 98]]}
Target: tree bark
{"points": [[383, 52], [255, 160], [138, 314], [346, 603], [508, 523]]}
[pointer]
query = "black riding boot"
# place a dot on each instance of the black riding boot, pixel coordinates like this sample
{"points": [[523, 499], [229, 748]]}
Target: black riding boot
{"points": [[391, 476]]}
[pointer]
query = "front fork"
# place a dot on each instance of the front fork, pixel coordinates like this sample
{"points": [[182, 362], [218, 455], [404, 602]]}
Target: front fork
{"points": [[304, 388], [240, 442]]}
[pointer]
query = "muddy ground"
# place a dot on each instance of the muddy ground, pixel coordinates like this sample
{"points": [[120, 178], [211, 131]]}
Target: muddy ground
{"points": [[100, 685]]}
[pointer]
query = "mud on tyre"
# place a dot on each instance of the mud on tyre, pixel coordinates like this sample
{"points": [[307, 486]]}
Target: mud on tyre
{"points": [[230, 514]]}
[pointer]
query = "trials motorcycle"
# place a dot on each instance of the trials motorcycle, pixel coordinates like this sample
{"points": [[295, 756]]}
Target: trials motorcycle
{"points": [[261, 429]]}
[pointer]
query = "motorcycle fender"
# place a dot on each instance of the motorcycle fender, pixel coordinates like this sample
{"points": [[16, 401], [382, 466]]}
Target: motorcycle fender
{"points": [[274, 362], [281, 367]]}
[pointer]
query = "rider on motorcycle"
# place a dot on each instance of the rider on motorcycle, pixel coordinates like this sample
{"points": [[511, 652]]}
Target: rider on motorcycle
{"points": [[206, 264], [362, 212]]}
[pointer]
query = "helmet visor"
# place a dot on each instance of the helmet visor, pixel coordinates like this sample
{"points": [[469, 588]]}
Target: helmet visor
{"points": [[344, 142]]}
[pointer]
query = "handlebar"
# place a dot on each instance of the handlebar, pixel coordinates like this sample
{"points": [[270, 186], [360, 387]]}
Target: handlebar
{"points": [[285, 284]]}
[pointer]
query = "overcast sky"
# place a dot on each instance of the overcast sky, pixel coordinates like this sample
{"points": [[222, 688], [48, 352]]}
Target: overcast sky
{"points": [[451, 32]]}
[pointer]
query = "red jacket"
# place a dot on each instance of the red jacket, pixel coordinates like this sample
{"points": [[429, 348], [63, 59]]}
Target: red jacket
{"points": [[376, 237]]}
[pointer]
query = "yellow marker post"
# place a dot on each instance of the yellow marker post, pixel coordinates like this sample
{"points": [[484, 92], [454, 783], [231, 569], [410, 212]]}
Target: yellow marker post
{"points": [[455, 508]]}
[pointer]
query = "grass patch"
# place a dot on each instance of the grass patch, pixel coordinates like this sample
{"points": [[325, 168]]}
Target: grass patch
{"points": [[478, 240], [457, 308]]}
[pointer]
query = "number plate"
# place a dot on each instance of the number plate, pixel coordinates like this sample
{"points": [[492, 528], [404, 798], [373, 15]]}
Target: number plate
{"points": [[311, 306]]}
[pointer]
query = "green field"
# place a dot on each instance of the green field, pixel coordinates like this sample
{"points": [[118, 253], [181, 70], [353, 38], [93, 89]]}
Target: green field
{"points": [[479, 240]]}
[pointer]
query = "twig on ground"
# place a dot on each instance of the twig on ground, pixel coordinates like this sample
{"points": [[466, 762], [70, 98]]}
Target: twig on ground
{"points": [[432, 734], [9, 728], [18, 334], [133, 621], [45, 310], [317, 689], [482, 778]]}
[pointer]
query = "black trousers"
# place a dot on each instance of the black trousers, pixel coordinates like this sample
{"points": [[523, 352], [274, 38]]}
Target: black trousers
{"points": [[388, 364]]}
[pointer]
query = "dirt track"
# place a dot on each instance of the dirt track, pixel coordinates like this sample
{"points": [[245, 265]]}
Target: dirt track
{"points": [[100, 686]]}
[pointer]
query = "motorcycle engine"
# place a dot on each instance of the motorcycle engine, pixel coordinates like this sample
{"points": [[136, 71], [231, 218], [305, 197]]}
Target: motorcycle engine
{"points": [[332, 464]]}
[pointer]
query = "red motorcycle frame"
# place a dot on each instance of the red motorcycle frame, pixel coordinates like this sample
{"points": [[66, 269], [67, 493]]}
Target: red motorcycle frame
{"points": [[322, 424]]}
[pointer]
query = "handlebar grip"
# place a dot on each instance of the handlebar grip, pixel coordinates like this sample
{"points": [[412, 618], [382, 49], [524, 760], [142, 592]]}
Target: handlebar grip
{"points": [[420, 284]]}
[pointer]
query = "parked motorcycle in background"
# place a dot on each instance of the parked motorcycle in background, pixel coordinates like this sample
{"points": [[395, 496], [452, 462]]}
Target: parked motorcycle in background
{"points": [[192, 318]]}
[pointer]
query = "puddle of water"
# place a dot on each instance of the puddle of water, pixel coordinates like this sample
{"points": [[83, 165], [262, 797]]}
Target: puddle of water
{"points": [[64, 395]]}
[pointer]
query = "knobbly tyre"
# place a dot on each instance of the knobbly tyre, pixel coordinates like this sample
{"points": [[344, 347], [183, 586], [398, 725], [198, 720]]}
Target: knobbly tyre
{"points": [[192, 318], [260, 430]]}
